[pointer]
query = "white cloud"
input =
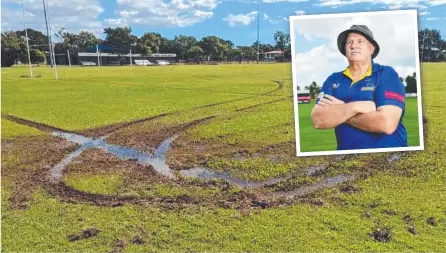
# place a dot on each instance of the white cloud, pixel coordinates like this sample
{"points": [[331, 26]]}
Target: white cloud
{"points": [[317, 64], [290, 1], [437, 2], [424, 13], [73, 15], [395, 7], [393, 4], [300, 12], [241, 19], [395, 37], [273, 21], [163, 13]]}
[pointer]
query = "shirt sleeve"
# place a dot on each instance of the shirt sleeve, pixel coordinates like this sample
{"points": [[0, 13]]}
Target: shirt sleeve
{"points": [[327, 88], [390, 90]]}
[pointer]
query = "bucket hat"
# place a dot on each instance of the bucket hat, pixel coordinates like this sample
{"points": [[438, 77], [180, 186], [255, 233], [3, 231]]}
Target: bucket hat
{"points": [[361, 29]]}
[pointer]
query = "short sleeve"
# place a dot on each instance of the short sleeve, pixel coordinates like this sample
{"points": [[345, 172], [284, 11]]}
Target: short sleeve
{"points": [[327, 88], [390, 90]]}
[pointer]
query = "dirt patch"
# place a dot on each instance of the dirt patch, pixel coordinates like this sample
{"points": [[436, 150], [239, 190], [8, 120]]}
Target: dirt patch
{"points": [[185, 153], [383, 234], [38, 157], [96, 161], [87, 233], [412, 229], [27, 161], [407, 218], [350, 189], [119, 245], [64, 193], [137, 240], [431, 221], [147, 139], [389, 212]]}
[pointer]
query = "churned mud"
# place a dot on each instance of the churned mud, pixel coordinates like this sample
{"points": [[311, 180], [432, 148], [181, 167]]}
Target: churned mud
{"points": [[170, 161]]}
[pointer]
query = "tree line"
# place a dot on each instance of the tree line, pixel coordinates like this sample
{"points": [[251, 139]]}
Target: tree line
{"points": [[411, 86], [120, 40]]}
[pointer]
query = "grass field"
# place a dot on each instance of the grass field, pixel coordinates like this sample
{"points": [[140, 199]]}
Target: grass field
{"points": [[324, 140], [245, 127]]}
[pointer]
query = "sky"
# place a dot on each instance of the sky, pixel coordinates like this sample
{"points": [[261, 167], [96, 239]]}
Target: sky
{"points": [[316, 54], [234, 20]]}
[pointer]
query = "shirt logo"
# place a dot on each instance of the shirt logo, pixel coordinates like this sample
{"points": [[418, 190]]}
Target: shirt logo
{"points": [[367, 88], [394, 95], [335, 85]]}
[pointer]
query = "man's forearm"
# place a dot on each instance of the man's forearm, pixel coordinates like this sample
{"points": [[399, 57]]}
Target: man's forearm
{"points": [[374, 122], [326, 117]]}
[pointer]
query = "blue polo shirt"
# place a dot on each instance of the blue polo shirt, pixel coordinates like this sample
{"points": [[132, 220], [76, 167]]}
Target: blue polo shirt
{"points": [[380, 84]]}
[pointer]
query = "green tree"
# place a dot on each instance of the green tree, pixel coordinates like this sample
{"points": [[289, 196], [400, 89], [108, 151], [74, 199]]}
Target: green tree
{"points": [[120, 38], [86, 39], [11, 48], [430, 44], [248, 53], [183, 43], [214, 47], [314, 89], [36, 39], [411, 82], [37, 56], [263, 48], [152, 40], [282, 40], [195, 53]]}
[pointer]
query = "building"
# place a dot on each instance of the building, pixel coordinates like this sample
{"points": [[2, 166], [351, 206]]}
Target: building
{"points": [[107, 59], [273, 55], [430, 54]]}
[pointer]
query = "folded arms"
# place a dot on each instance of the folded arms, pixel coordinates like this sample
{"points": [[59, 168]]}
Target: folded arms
{"points": [[330, 112]]}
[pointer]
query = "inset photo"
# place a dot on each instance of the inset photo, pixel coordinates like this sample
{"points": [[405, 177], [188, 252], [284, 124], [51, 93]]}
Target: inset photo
{"points": [[356, 82]]}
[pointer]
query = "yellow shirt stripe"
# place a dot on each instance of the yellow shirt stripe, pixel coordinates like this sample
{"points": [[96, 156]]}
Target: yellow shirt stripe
{"points": [[349, 74]]}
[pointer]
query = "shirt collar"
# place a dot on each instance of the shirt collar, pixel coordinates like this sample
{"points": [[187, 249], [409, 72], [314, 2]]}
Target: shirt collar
{"points": [[368, 73]]}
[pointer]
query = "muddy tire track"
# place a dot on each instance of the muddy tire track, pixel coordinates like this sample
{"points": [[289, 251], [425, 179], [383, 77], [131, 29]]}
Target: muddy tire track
{"points": [[261, 104], [279, 82], [279, 87], [245, 199], [108, 129], [34, 124]]}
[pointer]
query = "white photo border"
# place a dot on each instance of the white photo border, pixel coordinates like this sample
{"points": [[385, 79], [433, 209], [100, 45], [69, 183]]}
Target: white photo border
{"points": [[414, 15]]}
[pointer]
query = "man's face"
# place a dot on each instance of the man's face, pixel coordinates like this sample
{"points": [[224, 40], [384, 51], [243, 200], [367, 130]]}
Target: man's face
{"points": [[358, 48]]}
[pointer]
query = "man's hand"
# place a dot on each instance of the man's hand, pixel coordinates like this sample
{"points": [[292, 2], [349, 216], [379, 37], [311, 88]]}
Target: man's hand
{"points": [[329, 112], [359, 106], [328, 100]]}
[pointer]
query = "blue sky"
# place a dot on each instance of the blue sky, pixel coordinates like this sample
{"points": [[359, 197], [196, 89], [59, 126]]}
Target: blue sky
{"points": [[230, 19], [315, 50]]}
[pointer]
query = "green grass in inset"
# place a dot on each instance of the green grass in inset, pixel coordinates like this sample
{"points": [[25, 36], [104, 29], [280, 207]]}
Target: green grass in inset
{"points": [[312, 139]]}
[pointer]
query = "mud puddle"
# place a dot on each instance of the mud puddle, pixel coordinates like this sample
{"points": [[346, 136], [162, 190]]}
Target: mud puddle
{"points": [[157, 161], [124, 153]]}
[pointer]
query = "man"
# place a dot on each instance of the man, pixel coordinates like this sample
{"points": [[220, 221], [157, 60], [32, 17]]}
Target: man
{"points": [[365, 102]]}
